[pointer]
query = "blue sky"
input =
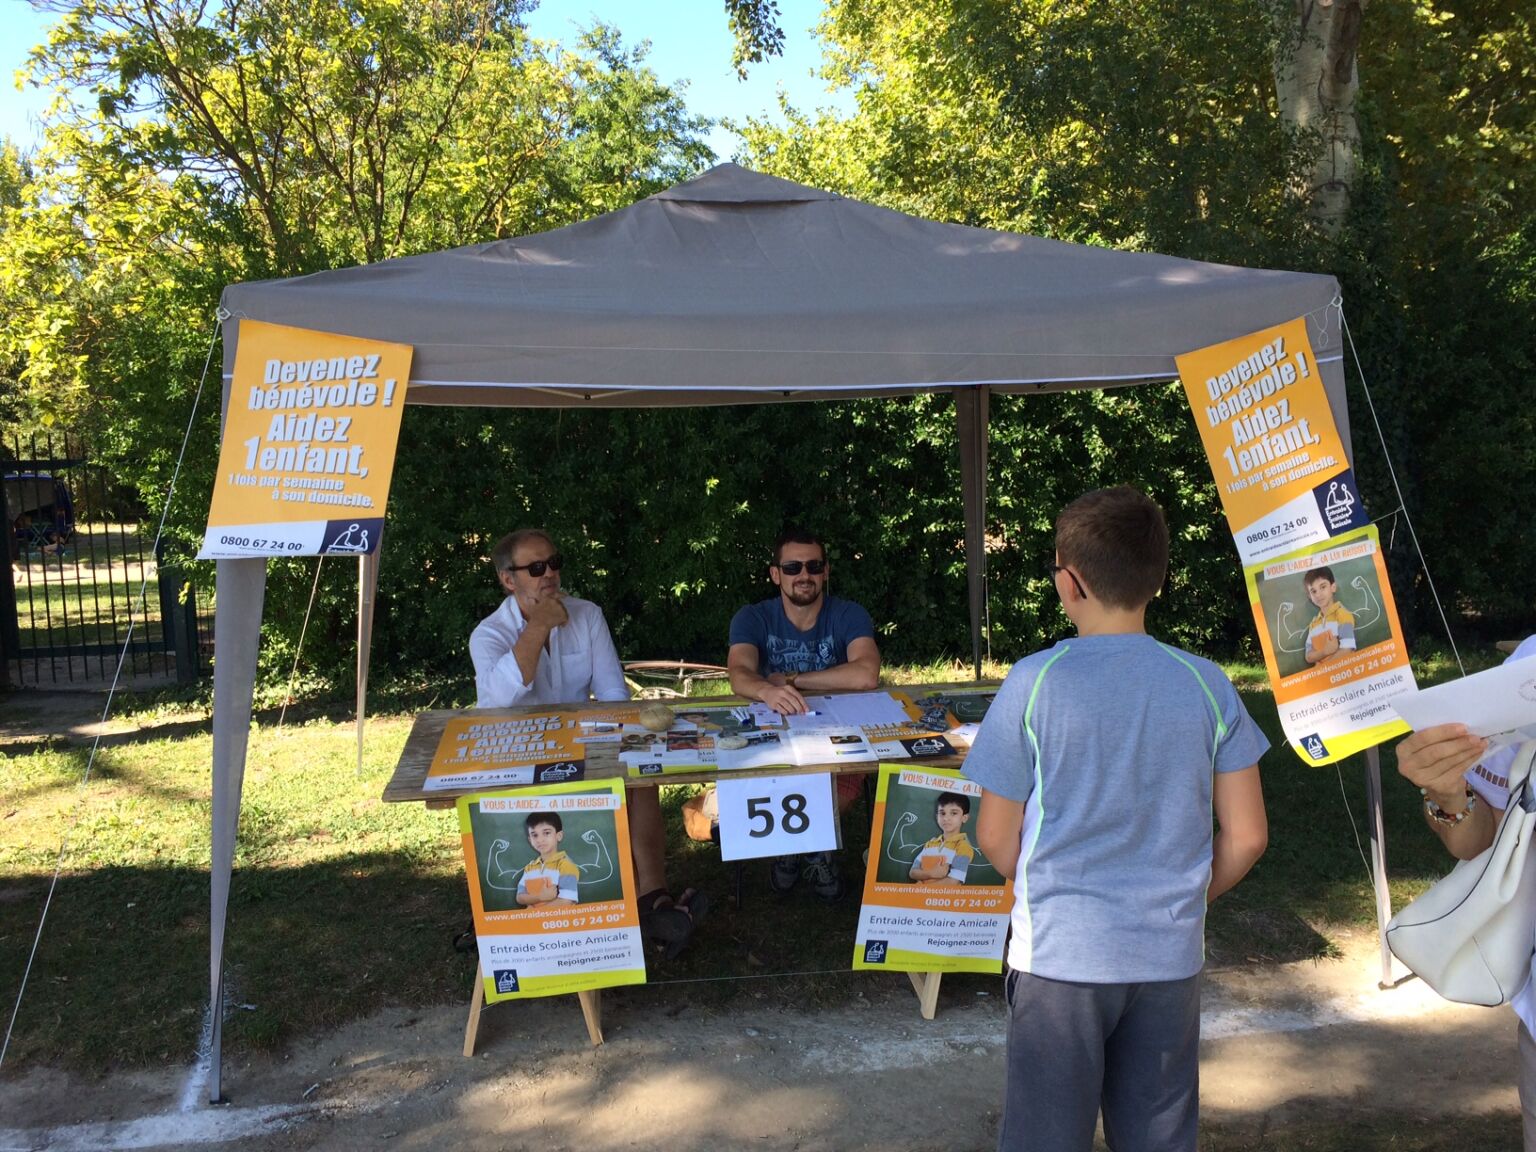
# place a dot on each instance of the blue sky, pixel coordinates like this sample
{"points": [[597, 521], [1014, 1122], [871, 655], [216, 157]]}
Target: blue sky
{"points": [[690, 41]]}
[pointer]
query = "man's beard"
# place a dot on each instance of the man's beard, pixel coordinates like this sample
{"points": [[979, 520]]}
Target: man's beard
{"points": [[804, 598]]}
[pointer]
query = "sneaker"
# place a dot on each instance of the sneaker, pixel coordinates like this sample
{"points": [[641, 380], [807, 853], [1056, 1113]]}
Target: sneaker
{"points": [[822, 871], [784, 873]]}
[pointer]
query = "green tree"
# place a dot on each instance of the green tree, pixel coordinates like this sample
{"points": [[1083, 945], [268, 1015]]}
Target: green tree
{"points": [[1154, 125], [1317, 85], [15, 175], [194, 145]]}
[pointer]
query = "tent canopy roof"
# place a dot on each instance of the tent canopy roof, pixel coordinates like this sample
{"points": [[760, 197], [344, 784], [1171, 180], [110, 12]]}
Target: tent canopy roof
{"points": [[739, 287]]}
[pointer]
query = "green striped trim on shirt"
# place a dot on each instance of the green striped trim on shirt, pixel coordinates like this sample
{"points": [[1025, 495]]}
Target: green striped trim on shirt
{"points": [[1221, 724], [1021, 873]]}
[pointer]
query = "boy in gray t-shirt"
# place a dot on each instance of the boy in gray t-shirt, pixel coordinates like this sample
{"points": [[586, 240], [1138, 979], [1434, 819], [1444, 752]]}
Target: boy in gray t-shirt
{"points": [[1103, 759]]}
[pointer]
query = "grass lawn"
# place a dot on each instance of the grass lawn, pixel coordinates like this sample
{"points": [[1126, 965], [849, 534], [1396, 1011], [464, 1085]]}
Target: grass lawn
{"points": [[343, 904], [62, 615]]}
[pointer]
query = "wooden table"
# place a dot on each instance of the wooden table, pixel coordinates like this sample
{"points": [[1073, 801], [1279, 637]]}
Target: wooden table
{"points": [[602, 763]]}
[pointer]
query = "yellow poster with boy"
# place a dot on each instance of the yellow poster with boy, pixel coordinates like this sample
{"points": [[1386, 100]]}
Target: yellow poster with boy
{"points": [[1328, 626], [932, 902], [309, 442], [1291, 501], [552, 889]]}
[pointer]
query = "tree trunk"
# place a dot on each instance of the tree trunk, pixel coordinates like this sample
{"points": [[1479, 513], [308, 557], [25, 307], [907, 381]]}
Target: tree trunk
{"points": [[1316, 82]]}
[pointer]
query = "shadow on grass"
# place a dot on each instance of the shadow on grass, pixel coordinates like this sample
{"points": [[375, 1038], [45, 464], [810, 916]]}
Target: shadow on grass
{"points": [[111, 776], [121, 976], [1317, 866]]}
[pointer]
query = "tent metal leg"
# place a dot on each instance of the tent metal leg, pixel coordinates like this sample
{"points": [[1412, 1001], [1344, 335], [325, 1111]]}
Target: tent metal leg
{"points": [[1377, 826], [240, 588], [367, 591], [972, 409]]}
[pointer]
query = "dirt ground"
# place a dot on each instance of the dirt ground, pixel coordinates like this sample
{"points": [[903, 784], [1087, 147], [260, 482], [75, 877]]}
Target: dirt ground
{"points": [[1289, 1052], [1305, 1055]]}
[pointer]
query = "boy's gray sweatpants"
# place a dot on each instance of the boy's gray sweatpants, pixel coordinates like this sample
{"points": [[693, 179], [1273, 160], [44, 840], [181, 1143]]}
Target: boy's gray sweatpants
{"points": [[1132, 1049]]}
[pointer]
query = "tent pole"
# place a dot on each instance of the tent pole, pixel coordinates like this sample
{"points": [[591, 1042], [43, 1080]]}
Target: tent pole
{"points": [[367, 590], [1377, 828], [239, 588], [971, 412]]}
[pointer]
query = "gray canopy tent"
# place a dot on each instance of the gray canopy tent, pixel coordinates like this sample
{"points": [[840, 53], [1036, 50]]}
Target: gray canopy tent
{"points": [[740, 288]]}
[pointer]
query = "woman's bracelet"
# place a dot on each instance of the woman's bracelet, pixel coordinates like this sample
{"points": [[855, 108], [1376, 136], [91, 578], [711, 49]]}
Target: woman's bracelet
{"points": [[1440, 816]]}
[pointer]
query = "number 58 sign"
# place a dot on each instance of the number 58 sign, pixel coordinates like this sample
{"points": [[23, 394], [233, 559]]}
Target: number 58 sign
{"points": [[776, 816]]}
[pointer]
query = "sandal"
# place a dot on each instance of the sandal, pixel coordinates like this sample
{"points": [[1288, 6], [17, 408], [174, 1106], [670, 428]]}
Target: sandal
{"points": [[667, 924], [465, 941]]}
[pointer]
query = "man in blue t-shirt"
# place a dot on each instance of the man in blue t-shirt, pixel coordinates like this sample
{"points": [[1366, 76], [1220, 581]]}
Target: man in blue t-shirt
{"points": [[803, 639]]}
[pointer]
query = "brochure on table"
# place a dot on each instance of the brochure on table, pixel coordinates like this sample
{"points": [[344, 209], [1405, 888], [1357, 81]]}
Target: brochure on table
{"points": [[855, 728], [932, 902], [544, 748], [552, 889]]}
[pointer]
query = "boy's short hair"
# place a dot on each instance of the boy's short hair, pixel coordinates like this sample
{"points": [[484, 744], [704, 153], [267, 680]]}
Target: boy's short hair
{"points": [[1315, 574], [959, 799], [550, 818], [1117, 539], [797, 534], [501, 555]]}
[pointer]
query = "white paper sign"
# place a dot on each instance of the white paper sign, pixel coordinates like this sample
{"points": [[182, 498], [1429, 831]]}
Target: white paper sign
{"points": [[1499, 703], [777, 816]]}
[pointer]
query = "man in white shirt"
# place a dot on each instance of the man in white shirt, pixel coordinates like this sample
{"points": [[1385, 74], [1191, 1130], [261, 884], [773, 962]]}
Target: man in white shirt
{"points": [[544, 647]]}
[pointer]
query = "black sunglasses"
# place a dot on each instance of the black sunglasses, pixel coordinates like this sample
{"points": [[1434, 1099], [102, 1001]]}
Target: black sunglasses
{"points": [[538, 567], [1076, 583], [792, 567]]}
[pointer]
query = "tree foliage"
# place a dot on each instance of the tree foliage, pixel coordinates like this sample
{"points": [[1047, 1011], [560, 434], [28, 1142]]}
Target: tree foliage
{"points": [[755, 26], [194, 145], [276, 137], [1154, 125]]}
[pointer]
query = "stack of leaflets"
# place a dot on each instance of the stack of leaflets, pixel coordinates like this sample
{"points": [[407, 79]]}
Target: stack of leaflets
{"points": [[498, 751]]}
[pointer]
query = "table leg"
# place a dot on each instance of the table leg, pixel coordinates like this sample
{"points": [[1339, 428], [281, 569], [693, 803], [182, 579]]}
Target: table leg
{"points": [[926, 985], [476, 1004], [592, 1013]]}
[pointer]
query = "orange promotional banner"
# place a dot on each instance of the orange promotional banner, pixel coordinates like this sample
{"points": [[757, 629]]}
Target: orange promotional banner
{"points": [[1272, 441], [1317, 580], [309, 444]]}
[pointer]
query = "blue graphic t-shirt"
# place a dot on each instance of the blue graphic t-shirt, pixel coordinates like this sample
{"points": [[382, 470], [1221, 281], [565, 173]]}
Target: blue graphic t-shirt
{"points": [[781, 647]]}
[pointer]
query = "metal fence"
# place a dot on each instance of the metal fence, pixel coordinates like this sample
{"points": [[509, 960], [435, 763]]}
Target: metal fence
{"points": [[83, 569]]}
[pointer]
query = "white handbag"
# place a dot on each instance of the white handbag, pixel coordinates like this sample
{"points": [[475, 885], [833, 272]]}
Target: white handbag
{"points": [[1470, 937]]}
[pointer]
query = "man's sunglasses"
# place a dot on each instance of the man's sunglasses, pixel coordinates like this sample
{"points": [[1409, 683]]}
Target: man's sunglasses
{"points": [[538, 567], [792, 567]]}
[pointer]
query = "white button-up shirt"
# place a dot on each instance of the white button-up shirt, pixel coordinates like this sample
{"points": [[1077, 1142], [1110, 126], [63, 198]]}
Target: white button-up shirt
{"points": [[580, 661]]}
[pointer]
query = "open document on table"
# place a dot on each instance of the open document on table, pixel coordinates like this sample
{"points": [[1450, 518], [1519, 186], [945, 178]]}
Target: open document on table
{"points": [[858, 727]]}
